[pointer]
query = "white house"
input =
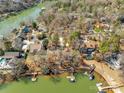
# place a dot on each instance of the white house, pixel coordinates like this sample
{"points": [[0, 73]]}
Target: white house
{"points": [[4, 64]]}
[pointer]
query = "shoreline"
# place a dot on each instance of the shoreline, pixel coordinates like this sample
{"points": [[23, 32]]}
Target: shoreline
{"points": [[106, 72], [98, 78], [22, 16], [4, 16], [45, 81]]}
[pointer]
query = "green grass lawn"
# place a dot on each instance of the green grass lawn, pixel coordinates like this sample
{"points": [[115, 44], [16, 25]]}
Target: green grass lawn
{"points": [[97, 30], [45, 85]]}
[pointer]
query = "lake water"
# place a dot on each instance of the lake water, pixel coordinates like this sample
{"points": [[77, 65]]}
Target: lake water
{"points": [[12, 22], [47, 85], [43, 85]]}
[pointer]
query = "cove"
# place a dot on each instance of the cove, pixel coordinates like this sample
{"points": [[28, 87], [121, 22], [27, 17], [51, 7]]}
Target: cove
{"points": [[12, 22]]}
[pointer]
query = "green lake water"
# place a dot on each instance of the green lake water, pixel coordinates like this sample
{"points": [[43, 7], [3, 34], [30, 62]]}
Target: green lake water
{"points": [[12, 22], [45, 85]]}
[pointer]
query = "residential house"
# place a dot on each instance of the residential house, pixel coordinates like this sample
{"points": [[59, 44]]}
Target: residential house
{"points": [[88, 52], [35, 47], [26, 44], [114, 60], [9, 64], [41, 28], [17, 43], [25, 48], [10, 55], [22, 35], [8, 60], [4, 64], [26, 29]]}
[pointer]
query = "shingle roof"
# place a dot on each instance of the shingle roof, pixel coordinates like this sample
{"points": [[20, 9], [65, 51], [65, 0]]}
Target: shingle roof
{"points": [[35, 47], [87, 50], [10, 55], [26, 29]]}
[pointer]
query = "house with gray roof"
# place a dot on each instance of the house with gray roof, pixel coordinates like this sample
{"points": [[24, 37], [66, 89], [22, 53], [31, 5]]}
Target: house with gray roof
{"points": [[10, 55]]}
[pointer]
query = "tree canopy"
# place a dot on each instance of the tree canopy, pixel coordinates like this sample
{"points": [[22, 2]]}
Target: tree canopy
{"points": [[1, 52], [111, 44], [74, 35]]}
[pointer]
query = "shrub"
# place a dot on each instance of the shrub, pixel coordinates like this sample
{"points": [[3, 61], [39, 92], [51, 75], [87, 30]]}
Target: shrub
{"points": [[34, 24]]}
